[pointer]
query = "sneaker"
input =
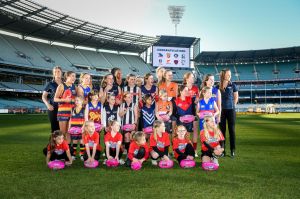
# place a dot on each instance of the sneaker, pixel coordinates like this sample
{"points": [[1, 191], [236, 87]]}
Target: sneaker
{"points": [[125, 152], [154, 162], [73, 158], [103, 155], [104, 162], [81, 158], [121, 161], [196, 154]]}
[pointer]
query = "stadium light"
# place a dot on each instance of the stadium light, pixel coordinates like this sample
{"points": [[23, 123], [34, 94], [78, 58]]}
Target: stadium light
{"points": [[176, 13]]}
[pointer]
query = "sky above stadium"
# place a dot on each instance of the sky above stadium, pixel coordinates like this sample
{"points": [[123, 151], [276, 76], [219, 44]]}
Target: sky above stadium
{"points": [[221, 25]]}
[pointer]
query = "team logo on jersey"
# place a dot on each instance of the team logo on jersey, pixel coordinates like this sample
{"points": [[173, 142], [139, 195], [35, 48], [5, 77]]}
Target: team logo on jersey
{"points": [[91, 143], [113, 145], [210, 106], [160, 144], [182, 146], [59, 151], [135, 151]]}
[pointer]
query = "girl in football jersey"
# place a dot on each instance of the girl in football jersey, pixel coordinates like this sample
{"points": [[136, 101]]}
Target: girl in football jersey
{"points": [[113, 141], [148, 113], [64, 96], [164, 110], [193, 91], [129, 115], [138, 150], [206, 106], [91, 141], [57, 148], [110, 112], [184, 106], [159, 142], [149, 87], [85, 86], [182, 145], [93, 108], [209, 81], [133, 89], [109, 88], [212, 141], [76, 122]]}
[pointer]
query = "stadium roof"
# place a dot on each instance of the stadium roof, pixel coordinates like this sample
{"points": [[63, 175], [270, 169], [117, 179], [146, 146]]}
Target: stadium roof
{"points": [[175, 41], [34, 20], [292, 53]]}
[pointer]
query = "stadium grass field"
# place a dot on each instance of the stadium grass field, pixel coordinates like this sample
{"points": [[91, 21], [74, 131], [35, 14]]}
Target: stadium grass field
{"points": [[267, 166]]}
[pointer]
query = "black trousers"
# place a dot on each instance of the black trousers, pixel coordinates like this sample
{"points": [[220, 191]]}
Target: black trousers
{"points": [[55, 156], [139, 155], [97, 155], [52, 115], [112, 153], [189, 150], [229, 116]]}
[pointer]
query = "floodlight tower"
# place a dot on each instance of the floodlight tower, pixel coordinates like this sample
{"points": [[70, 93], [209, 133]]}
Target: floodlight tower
{"points": [[176, 13]]}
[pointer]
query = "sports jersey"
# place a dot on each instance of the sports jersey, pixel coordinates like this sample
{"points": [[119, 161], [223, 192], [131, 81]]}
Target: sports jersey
{"points": [[184, 107], [134, 148], [163, 107], [161, 142], [65, 108], [86, 91], [94, 112], [91, 140], [77, 118], [109, 114], [148, 115], [60, 148], [206, 108], [213, 142], [51, 89], [194, 91], [134, 91], [113, 141], [171, 89], [129, 117], [215, 93], [180, 145]]}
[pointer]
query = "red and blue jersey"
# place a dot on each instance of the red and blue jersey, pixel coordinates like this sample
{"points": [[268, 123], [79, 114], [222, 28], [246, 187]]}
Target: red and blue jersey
{"points": [[184, 107], [94, 112]]}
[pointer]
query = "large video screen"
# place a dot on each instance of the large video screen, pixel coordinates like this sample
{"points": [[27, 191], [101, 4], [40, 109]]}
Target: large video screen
{"points": [[170, 56]]}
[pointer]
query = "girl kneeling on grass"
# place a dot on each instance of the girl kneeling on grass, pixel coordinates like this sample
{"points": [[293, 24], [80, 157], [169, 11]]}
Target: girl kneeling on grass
{"points": [[159, 142], [113, 141], [58, 148], [182, 146], [212, 141], [91, 141], [138, 150]]}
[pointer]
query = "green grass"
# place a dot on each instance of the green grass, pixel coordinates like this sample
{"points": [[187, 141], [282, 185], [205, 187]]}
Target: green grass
{"points": [[267, 166]]}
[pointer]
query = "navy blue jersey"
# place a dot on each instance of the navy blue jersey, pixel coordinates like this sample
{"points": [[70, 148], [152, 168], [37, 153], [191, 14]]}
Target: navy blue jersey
{"points": [[148, 115]]}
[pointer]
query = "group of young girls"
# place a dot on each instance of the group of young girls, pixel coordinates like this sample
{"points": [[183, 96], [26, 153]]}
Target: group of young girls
{"points": [[139, 119]]}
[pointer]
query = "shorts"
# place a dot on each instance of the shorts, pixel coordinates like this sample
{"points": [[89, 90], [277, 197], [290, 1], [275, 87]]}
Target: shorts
{"points": [[76, 136], [63, 118]]}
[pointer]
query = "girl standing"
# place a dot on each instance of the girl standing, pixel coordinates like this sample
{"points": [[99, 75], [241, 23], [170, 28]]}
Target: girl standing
{"points": [[110, 112], [64, 96], [85, 86]]}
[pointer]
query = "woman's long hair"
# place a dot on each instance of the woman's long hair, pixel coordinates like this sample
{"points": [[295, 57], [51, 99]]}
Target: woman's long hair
{"points": [[53, 136], [216, 130], [222, 78], [156, 125]]}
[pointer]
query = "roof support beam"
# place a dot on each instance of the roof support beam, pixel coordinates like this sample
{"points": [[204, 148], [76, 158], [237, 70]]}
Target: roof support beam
{"points": [[47, 25]]}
